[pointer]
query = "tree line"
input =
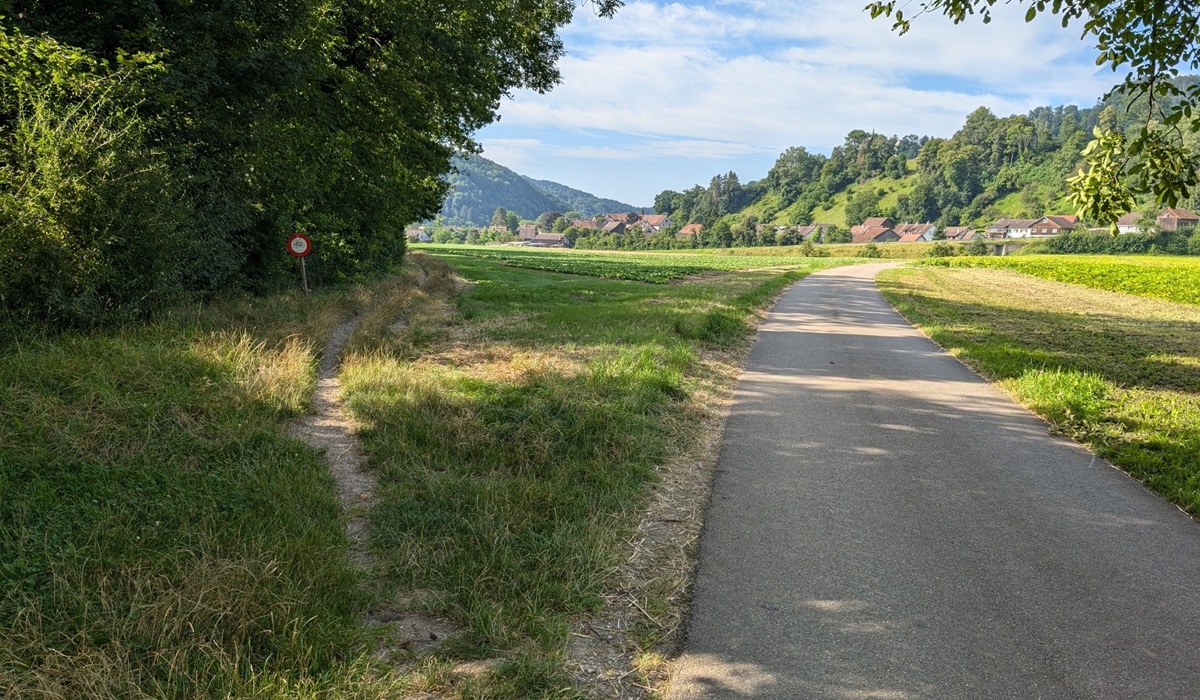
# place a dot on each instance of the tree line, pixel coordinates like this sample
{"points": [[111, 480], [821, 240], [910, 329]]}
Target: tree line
{"points": [[954, 181]]}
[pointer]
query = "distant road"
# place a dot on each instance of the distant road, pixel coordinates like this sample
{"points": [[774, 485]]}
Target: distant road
{"points": [[886, 525]]}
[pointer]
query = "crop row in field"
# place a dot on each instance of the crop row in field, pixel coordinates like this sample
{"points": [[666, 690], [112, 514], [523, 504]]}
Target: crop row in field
{"points": [[1168, 278], [659, 268]]}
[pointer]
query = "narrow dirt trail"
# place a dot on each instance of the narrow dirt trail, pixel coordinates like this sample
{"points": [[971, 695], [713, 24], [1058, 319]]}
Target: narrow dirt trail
{"points": [[331, 429]]}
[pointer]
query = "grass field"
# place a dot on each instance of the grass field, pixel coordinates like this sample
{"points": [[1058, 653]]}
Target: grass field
{"points": [[662, 266], [517, 433], [1118, 372], [161, 536]]}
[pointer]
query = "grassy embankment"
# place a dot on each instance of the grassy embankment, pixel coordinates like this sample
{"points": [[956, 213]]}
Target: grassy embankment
{"points": [[1118, 372], [161, 536]]}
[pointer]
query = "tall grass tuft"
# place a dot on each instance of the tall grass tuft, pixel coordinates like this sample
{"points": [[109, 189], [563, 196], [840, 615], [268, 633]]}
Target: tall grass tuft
{"points": [[160, 536]]}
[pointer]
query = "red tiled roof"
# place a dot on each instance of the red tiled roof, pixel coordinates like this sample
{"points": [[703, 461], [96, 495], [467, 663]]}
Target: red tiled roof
{"points": [[870, 234], [1066, 222], [919, 229], [1183, 214]]}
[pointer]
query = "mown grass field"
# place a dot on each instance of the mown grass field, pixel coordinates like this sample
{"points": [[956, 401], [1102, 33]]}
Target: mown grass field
{"points": [[670, 264], [1116, 371], [162, 536]]}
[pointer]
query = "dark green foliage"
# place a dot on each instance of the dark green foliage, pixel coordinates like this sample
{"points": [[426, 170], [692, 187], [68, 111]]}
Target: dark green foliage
{"points": [[157, 147], [1152, 40], [862, 206], [958, 181], [586, 205], [941, 249], [478, 186], [977, 246], [1168, 242], [870, 250], [87, 222]]}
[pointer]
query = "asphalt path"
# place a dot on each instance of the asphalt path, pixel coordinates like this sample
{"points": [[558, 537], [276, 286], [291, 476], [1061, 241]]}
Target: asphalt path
{"points": [[884, 524]]}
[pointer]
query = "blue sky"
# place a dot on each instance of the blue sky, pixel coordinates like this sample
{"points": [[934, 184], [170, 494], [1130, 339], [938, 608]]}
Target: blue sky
{"points": [[668, 94]]}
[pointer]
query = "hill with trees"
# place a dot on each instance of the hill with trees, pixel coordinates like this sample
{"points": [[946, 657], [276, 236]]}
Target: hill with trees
{"points": [[478, 186], [992, 167]]}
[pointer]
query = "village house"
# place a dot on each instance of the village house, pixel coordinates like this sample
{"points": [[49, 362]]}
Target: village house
{"points": [[1128, 223], [1011, 228], [549, 240], [690, 230], [1053, 225], [809, 232], [625, 218], [1177, 220], [874, 234], [651, 224], [961, 233], [912, 233], [878, 222], [585, 223], [613, 227], [417, 235], [526, 232], [1170, 219]]}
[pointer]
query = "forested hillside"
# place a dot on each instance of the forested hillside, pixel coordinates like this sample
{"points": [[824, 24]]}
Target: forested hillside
{"points": [[587, 204], [478, 186], [992, 167]]}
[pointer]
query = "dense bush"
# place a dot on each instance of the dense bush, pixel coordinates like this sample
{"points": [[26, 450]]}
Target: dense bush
{"points": [[88, 226], [158, 148], [1098, 242]]}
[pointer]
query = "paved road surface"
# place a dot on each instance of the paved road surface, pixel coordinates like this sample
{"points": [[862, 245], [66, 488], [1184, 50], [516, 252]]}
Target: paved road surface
{"points": [[886, 525]]}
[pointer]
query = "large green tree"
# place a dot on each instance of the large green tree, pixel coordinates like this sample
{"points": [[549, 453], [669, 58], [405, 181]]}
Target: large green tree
{"points": [[1150, 40], [256, 118]]}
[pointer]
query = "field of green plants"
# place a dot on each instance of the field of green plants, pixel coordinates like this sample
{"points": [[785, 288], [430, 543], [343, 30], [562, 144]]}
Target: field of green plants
{"points": [[656, 268], [1168, 278]]}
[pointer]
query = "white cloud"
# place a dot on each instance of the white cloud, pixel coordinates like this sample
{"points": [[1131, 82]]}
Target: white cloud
{"points": [[739, 77]]}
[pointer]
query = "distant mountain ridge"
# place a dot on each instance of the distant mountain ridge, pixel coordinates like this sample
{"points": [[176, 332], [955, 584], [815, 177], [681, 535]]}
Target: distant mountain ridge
{"points": [[585, 203], [480, 185]]}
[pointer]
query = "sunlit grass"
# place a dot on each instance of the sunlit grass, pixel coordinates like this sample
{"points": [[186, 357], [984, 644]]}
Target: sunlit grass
{"points": [[1117, 372], [1170, 278], [516, 441], [162, 536]]}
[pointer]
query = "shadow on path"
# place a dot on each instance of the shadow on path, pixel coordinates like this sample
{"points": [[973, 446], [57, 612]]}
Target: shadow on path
{"points": [[885, 524]]}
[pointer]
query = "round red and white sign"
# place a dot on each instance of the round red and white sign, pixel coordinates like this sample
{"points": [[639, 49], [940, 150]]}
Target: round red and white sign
{"points": [[299, 245]]}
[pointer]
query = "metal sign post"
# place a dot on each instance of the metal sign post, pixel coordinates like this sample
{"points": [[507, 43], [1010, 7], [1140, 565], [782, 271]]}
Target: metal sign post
{"points": [[299, 246]]}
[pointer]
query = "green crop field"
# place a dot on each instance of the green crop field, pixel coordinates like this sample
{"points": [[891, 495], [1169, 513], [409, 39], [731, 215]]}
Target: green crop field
{"points": [[654, 267], [1167, 278]]}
